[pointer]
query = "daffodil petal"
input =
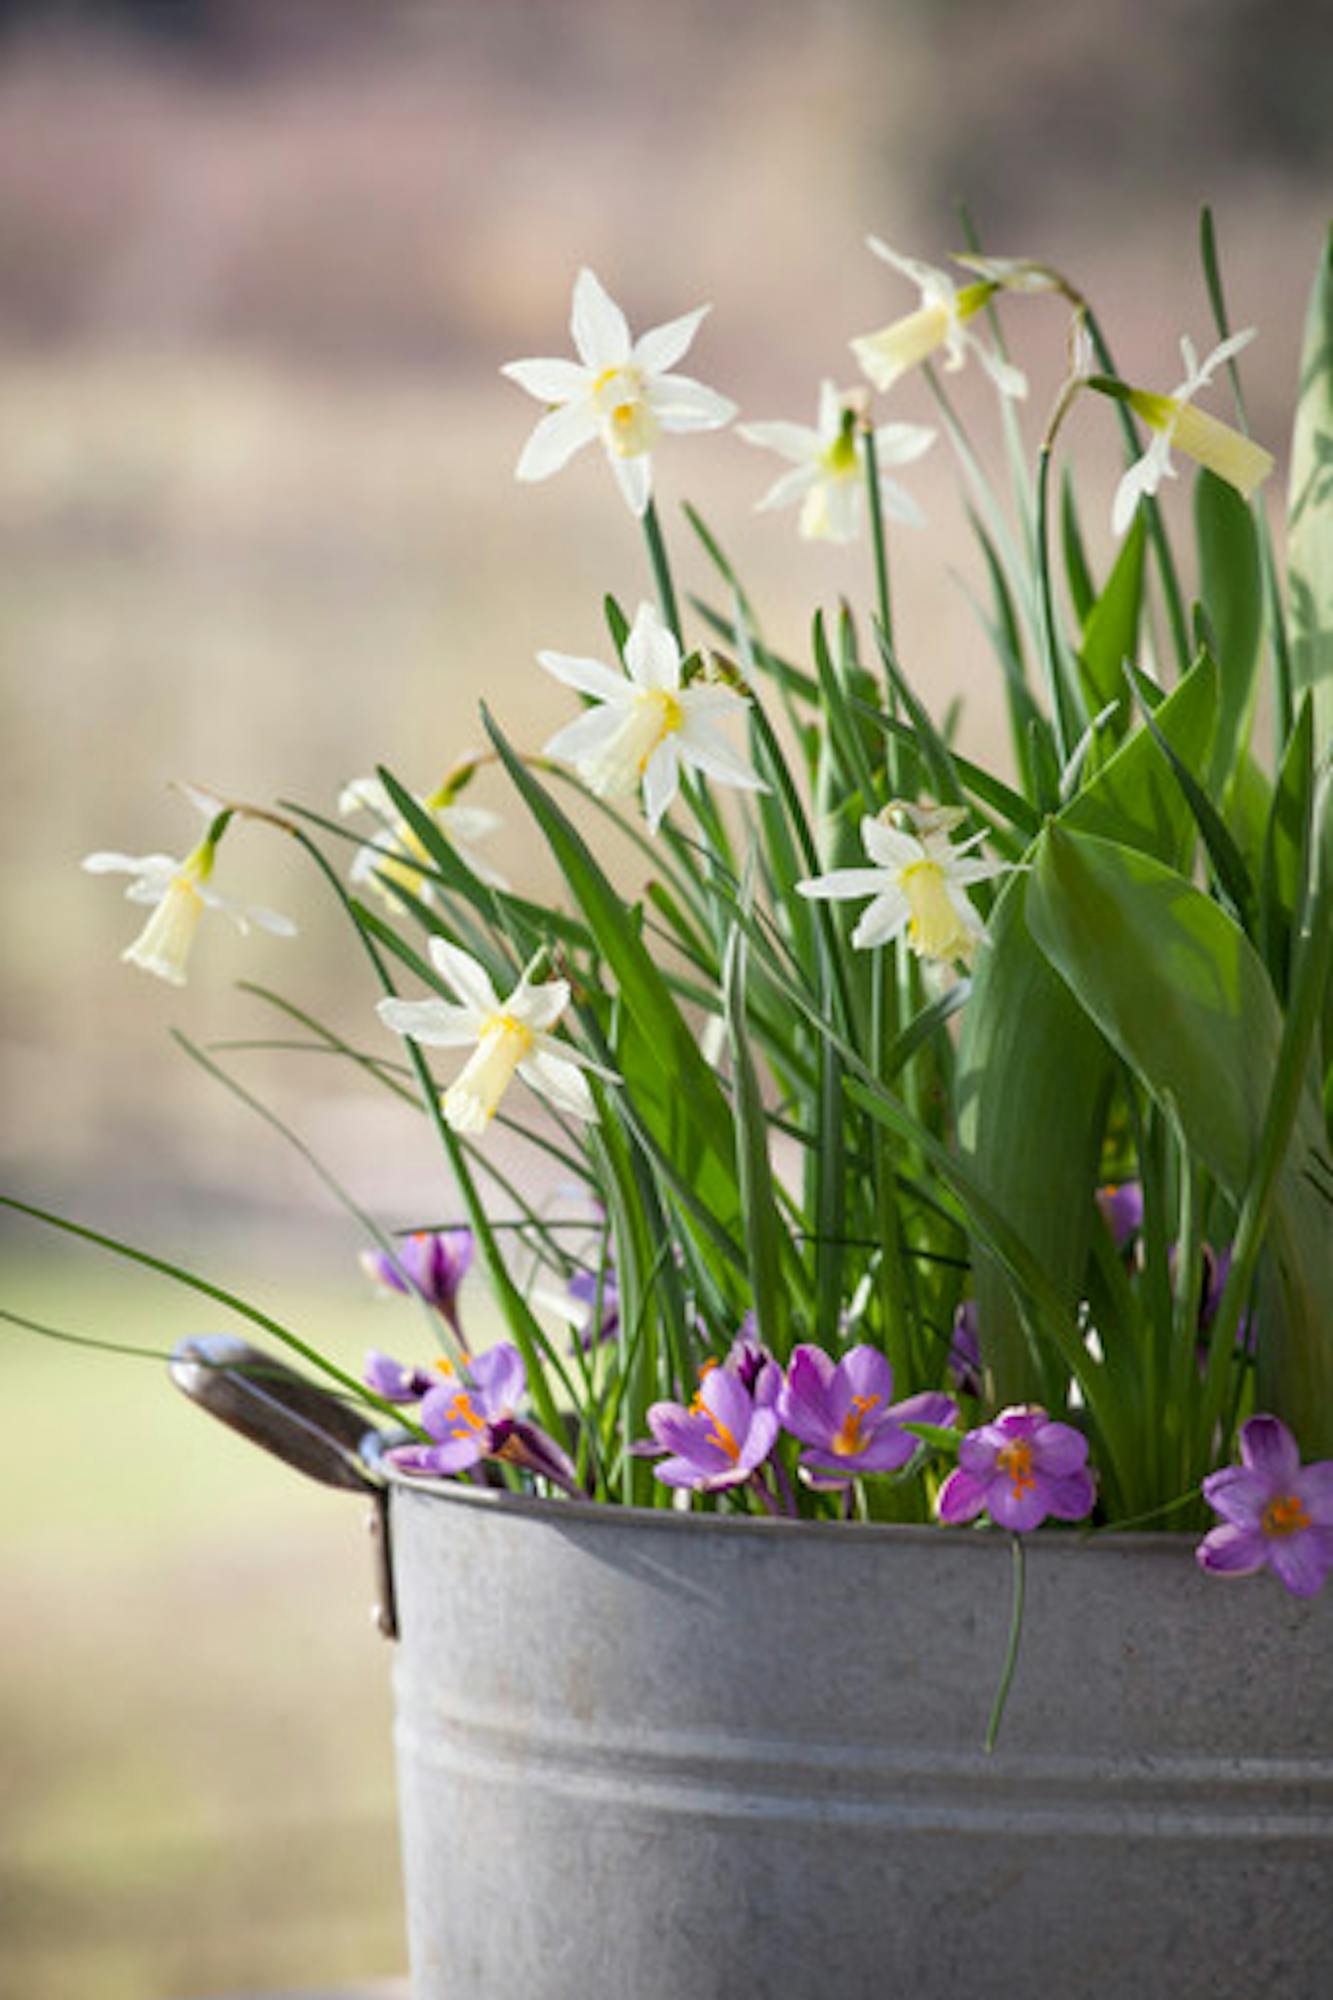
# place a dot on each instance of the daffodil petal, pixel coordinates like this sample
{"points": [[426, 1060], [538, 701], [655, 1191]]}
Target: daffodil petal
{"points": [[432, 1021], [842, 883], [902, 444], [798, 442], [661, 781], [792, 486], [680, 404], [550, 380], [663, 346], [598, 326], [555, 440], [634, 476], [467, 976], [587, 734], [885, 918], [588, 676], [652, 656], [562, 1083]]}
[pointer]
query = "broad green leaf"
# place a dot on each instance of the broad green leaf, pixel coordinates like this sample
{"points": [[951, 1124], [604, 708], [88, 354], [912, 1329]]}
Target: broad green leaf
{"points": [[1034, 1072], [1231, 579], [1310, 509], [1179, 992], [1111, 629]]}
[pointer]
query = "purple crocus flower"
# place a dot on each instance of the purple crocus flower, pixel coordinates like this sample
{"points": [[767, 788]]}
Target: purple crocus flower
{"points": [[965, 1349], [470, 1416], [845, 1413], [589, 1288], [395, 1383], [1019, 1469], [749, 1360], [431, 1262], [721, 1440], [1122, 1210], [1277, 1514]]}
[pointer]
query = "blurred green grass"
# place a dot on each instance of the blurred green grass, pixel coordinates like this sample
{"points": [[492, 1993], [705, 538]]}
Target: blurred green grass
{"points": [[197, 1791]]}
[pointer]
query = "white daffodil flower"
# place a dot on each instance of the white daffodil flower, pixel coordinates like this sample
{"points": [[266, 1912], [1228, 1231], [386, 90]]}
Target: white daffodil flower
{"points": [[828, 479], [619, 390], [507, 1037], [917, 884], [397, 855], [1173, 420], [940, 321], [646, 725], [179, 892]]}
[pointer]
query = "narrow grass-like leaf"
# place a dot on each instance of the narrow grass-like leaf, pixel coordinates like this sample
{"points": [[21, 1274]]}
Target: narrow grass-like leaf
{"points": [[1310, 516], [1110, 633]]}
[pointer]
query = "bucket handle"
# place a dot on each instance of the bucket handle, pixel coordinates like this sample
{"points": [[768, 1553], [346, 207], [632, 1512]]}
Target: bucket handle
{"points": [[297, 1421]]}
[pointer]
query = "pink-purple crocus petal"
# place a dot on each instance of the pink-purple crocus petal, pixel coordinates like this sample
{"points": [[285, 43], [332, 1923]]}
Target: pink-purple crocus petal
{"points": [[520, 1442], [1302, 1561], [725, 1397], [411, 1457], [1059, 1449], [863, 1371], [1019, 1511], [961, 1498], [976, 1451], [932, 1406], [1315, 1491], [1238, 1495], [1232, 1551], [674, 1427], [804, 1403], [392, 1381], [1269, 1450], [499, 1379], [760, 1439], [459, 1453], [1069, 1496]]}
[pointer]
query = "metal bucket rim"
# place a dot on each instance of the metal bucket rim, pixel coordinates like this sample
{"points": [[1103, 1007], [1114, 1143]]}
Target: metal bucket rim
{"points": [[567, 1513]]}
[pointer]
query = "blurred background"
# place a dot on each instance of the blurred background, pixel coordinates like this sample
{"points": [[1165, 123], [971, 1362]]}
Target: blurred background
{"points": [[260, 261]]}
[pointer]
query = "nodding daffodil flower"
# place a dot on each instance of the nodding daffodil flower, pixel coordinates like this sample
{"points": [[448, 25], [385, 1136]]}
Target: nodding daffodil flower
{"points": [[180, 892], [939, 322], [470, 1415], [397, 855], [1277, 1514], [844, 1413], [647, 724], [431, 1263], [1019, 1469], [619, 390], [917, 884], [829, 479], [1173, 420], [506, 1037]]}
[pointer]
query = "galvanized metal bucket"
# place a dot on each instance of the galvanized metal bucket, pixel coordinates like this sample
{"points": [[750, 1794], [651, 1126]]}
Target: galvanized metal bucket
{"points": [[659, 1756]]}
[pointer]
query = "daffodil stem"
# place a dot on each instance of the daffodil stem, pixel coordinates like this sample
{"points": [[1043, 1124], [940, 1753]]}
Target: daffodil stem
{"points": [[1152, 513], [1062, 709], [666, 589], [879, 542]]}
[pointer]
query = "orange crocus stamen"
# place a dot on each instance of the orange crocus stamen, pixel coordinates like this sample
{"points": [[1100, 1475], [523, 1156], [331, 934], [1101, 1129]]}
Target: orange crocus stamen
{"points": [[464, 1413], [1285, 1515], [849, 1440], [1015, 1460]]}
